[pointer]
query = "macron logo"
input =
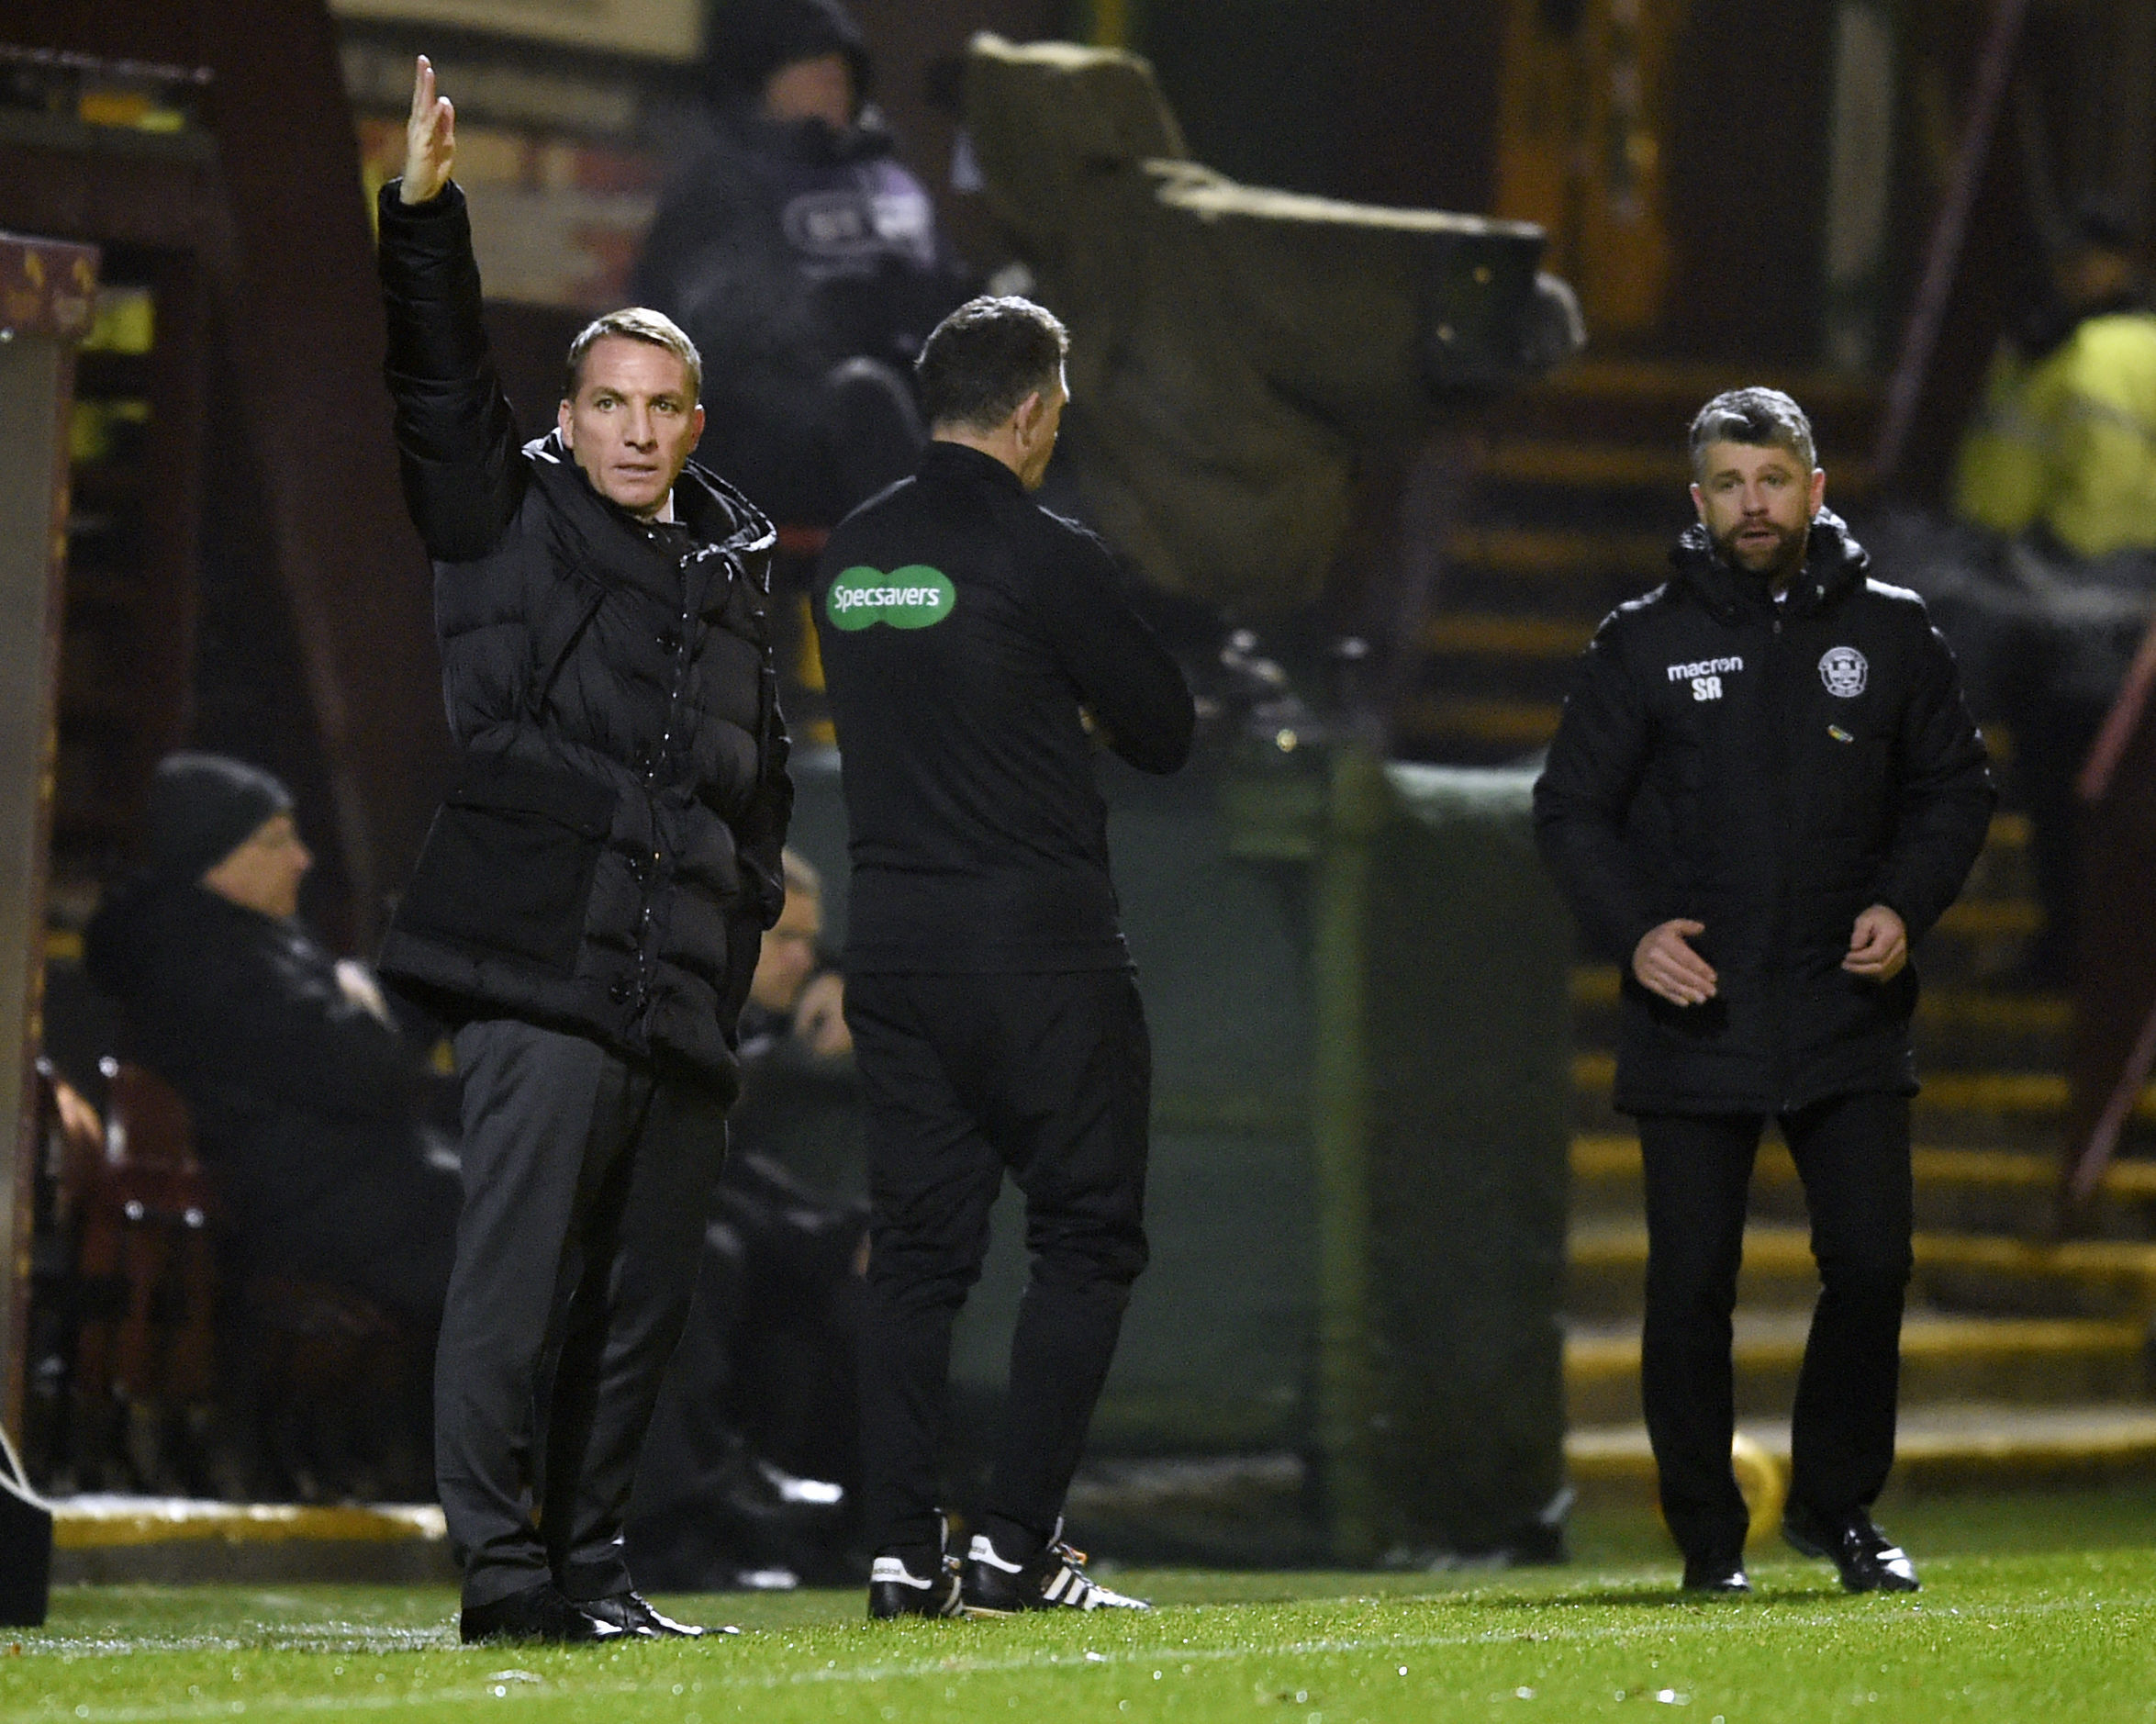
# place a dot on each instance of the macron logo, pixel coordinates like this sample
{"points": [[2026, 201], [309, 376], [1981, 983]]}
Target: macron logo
{"points": [[1704, 668], [1706, 676]]}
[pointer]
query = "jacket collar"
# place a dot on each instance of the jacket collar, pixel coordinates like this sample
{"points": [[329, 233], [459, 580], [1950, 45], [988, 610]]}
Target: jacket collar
{"points": [[958, 462], [1833, 562], [716, 514]]}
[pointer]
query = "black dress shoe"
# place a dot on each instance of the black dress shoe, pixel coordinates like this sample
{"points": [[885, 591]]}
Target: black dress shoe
{"points": [[634, 1614], [538, 1613], [1868, 1560], [1721, 1577]]}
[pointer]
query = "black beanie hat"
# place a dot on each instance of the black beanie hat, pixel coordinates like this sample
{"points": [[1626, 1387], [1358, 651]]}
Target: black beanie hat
{"points": [[750, 39], [204, 807]]}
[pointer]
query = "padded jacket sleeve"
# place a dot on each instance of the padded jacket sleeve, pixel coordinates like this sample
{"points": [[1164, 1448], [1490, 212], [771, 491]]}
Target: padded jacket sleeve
{"points": [[456, 435], [1946, 795], [1584, 797]]}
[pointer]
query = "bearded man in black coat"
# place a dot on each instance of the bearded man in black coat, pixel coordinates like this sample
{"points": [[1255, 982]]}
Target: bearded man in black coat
{"points": [[589, 901], [1765, 788]]}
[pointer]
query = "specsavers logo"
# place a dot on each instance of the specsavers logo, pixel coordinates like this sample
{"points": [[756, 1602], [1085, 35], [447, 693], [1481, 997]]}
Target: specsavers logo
{"points": [[915, 596]]}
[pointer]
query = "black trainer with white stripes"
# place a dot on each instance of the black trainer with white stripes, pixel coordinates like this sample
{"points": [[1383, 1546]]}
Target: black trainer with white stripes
{"points": [[896, 1590], [1055, 1578]]}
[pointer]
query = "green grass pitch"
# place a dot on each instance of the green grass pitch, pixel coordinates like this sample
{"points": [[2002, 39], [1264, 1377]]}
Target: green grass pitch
{"points": [[2034, 1607]]}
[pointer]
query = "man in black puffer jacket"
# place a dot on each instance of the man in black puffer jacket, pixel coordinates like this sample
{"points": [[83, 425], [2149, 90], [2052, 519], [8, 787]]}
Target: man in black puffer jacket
{"points": [[590, 899], [1765, 788]]}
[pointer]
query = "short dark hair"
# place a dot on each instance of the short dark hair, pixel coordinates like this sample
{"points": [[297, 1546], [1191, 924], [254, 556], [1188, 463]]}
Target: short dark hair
{"points": [[635, 323], [1765, 419], [984, 359]]}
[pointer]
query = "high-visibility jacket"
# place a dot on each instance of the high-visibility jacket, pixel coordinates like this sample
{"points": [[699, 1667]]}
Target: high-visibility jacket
{"points": [[2069, 441]]}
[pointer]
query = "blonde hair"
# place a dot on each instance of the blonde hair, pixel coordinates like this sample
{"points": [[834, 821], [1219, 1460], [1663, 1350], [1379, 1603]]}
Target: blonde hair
{"points": [[637, 323]]}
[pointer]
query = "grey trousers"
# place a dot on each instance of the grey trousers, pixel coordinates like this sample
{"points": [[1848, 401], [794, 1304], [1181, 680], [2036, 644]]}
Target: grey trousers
{"points": [[587, 1185]]}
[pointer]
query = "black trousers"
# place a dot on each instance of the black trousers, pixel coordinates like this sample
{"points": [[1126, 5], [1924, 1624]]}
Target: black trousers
{"points": [[964, 1076], [1853, 1153], [587, 1185]]}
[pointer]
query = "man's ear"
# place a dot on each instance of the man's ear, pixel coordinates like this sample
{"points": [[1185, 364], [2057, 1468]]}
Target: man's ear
{"points": [[1818, 488], [565, 421], [1699, 502], [1029, 416]]}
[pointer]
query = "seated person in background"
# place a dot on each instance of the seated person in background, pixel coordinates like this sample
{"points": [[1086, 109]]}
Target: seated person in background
{"points": [[804, 262], [753, 1450], [2061, 460], [801, 1099], [307, 1102]]}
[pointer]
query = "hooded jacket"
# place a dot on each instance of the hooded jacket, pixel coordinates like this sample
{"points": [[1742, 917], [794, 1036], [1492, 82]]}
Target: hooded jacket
{"points": [[1770, 770], [610, 854], [306, 1107], [788, 249]]}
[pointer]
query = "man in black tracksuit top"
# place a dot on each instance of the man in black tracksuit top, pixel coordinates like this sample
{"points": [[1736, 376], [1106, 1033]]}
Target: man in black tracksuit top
{"points": [[971, 641], [1766, 787], [591, 901]]}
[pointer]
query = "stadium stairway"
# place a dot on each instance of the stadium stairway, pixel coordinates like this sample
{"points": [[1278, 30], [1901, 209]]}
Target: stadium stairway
{"points": [[2023, 1360]]}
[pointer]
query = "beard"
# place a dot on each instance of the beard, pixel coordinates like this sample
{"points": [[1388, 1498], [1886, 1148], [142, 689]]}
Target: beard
{"points": [[1779, 561]]}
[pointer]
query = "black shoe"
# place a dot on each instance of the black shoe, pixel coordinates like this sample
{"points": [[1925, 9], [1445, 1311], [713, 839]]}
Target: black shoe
{"points": [[538, 1613], [632, 1613], [1720, 1576], [894, 1590], [1868, 1559], [1054, 1580]]}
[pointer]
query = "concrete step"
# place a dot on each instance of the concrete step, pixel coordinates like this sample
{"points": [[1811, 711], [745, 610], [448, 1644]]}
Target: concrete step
{"points": [[1959, 1189], [1956, 1273], [167, 1540], [1981, 1445], [1945, 1358], [2021, 1110]]}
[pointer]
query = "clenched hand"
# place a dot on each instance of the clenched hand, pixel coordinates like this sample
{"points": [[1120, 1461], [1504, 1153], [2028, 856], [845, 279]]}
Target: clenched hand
{"points": [[1879, 944]]}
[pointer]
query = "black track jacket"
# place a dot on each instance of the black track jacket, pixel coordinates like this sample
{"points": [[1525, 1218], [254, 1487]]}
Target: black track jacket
{"points": [[1771, 771], [963, 627]]}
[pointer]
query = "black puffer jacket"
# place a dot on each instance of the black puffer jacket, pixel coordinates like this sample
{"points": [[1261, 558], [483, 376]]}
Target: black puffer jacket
{"points": [[1771, 771], [610, 854]]}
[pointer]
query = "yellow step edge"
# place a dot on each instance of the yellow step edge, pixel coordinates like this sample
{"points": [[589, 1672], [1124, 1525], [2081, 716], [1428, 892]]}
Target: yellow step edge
{"points": [[1595, 986], [1521, 724], [2020, 1093], [2006, 1436], [103, 1522], [1532, 551], [1591, 1358], [1486, 634], [1992, 918], [1602, 1156], [1786, 1250]]}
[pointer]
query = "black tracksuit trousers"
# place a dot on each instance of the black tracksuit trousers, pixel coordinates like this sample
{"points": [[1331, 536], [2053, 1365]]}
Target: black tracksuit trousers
{"points": [[1853, 1153], [588, 1181], [964, 1076]]}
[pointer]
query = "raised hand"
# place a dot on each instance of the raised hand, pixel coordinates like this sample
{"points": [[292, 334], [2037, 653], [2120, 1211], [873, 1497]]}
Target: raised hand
{"points": [[430, 139]]}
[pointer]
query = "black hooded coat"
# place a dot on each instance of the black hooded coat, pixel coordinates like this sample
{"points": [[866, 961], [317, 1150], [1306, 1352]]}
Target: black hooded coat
{"points": [[609, 857], [1770, 770]]}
